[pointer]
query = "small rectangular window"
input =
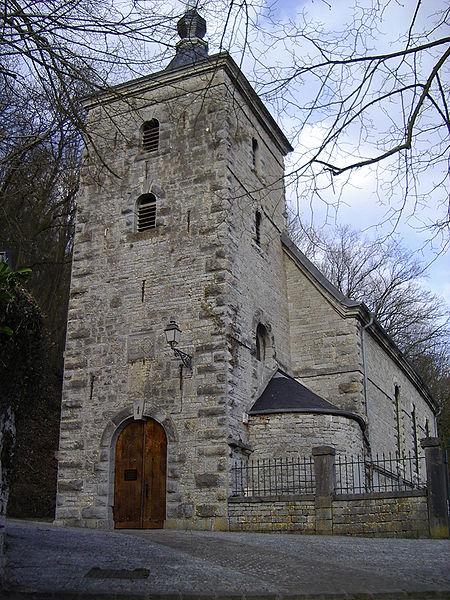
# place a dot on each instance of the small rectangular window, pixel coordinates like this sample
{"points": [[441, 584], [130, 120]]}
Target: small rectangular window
{"points": [[130, 474]]}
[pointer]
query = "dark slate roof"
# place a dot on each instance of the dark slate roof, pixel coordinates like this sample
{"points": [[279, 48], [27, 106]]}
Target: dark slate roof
{"points": [[187, 56], [284, 394]]}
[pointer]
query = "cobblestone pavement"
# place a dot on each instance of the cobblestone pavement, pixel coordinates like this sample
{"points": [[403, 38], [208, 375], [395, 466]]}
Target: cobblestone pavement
{"points": [[43, 561]]}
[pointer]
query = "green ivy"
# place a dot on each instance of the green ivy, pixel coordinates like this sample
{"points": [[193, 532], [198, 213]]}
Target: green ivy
{"points": [[21, 339]]}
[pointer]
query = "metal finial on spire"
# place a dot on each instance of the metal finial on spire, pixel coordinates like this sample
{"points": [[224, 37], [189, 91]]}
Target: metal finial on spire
{"points": [[191, 5], [191, 25]]}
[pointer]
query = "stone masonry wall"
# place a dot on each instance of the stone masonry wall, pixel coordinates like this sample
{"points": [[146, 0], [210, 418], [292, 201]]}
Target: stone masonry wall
{"points": [[383, 375], [272, 515], [369, 515], [325, 345], [327, 357], [296, 433], [125, 288], [257, 292], [381, 515]]}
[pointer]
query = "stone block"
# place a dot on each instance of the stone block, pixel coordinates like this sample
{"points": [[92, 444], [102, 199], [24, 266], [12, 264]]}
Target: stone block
{"points": [[207, 480], [183, 510], [70, 485], [74, 403], [94, 512], [207, 510], [212, 411], [75, 384]]}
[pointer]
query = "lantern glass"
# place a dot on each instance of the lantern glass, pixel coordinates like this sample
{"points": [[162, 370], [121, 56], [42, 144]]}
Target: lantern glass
{"points": [[172, 332]]}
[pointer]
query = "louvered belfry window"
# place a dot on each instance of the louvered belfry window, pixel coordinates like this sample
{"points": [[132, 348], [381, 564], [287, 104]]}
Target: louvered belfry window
{"points": [[146, 212], [150, 135]]}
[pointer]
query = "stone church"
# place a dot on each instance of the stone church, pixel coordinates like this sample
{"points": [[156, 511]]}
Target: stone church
{"points": [[198, 333]]}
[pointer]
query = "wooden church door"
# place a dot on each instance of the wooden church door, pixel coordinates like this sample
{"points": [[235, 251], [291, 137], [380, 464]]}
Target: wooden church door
{"points": [[140, 476]]}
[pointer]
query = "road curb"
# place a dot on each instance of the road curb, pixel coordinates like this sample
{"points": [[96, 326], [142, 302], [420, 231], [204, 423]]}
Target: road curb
{"points": [[427, 595]]}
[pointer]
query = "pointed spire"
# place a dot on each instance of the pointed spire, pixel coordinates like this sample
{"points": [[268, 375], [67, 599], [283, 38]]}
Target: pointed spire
{"points": [[191, 48]]}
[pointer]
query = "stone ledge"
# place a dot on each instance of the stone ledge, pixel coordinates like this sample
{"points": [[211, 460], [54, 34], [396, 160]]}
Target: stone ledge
{"points": [[380, 495], [256, 499]]}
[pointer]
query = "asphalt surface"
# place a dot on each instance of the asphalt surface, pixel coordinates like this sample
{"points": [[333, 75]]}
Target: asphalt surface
{"points": [[43, 561]]}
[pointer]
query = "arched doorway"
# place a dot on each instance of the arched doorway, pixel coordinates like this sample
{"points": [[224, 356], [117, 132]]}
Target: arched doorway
{"points": [[140, 476]]}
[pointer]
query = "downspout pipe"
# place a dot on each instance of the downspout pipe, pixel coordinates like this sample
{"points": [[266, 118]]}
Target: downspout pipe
{"points": [[363, 352], [435, 416]]}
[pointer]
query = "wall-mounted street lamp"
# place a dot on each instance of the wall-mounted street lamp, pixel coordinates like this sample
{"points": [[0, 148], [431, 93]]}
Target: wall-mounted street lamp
{"points": [[172, 332]]}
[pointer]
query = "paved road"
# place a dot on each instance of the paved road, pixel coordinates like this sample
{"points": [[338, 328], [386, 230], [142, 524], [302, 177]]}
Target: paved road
{"points": [[43, 561]]}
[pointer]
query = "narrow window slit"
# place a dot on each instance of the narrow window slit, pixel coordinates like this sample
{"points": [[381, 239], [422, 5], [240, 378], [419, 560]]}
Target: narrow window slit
{"points": [[261, 342], [258, 228], [254, 152]]}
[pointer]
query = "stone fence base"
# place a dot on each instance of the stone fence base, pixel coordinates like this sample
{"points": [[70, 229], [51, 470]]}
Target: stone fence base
{"points": [[382, 514], [272, 514], [399, 513]]}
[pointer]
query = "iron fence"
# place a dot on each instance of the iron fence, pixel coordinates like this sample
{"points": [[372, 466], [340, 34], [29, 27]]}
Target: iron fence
{"points": [[273, 477], [354, 475], [384, 473]]}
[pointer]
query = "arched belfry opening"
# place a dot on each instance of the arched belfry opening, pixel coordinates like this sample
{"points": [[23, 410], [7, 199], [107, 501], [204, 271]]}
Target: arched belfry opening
{"points": [[150, 136], [140, 476], [146, 212]]}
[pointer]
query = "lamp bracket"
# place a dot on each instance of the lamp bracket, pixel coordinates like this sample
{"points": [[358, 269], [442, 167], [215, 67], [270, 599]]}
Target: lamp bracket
{"points": [[186, 359]]}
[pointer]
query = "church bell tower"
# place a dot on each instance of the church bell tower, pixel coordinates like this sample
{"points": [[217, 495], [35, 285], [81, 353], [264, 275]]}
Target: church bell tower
{"points": [[179, 217]]}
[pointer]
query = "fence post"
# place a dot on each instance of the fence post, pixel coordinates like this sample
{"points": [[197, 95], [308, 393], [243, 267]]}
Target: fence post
{"points": [[436, 487], [325, 487]]}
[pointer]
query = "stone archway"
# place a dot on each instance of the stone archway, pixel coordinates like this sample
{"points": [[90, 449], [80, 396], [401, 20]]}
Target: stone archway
{"points": [[140, 476], [107, 457]]}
